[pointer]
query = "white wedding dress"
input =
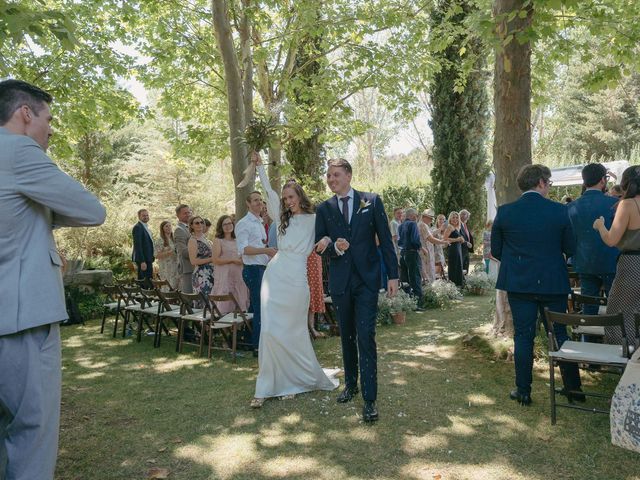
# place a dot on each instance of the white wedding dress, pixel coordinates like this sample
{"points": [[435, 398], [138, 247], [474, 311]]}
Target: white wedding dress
{"points": [[286, 360]]}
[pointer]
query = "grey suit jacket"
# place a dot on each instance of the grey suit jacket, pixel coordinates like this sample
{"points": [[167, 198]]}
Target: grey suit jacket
{"points": [[181, 237], [35, 197]]}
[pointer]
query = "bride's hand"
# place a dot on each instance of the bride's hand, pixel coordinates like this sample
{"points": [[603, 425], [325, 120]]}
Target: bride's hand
{"points": [[255, 158], [322, 244]]}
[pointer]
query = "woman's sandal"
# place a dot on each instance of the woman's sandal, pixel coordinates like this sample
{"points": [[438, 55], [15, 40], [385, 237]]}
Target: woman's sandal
{"points": [[257, 402]]}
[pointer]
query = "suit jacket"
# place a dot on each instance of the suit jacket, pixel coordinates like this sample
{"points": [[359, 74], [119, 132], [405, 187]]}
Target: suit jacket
{"points": [[529, 237], [181, 237], [36, 196], [592, 254], [142, 245], [362, 254], [467, 238]]}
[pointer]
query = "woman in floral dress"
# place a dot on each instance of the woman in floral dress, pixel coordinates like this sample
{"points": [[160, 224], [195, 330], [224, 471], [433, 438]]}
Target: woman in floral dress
{"points": [[201, 257]]}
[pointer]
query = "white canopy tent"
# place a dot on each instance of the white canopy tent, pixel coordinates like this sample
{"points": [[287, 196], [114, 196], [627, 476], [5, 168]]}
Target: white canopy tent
{"points": [[561, 177]]}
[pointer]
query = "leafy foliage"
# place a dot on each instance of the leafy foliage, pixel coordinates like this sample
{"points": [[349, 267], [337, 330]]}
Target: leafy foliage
{"points": [[417, 196]]}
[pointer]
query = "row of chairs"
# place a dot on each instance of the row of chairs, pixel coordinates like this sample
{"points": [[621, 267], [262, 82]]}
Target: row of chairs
{"points": [[583, 351], [192, 316]]}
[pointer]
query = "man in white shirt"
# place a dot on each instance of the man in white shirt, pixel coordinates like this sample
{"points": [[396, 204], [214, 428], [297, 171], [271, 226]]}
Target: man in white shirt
{"points": [[251, 239], [394, 224]]}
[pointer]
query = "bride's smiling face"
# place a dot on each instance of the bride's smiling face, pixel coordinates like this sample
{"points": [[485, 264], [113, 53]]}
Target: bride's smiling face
{"points": [[291, 200]]}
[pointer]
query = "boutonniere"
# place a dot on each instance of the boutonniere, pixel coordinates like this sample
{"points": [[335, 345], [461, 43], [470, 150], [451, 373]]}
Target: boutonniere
{"points": [[363, 204]]}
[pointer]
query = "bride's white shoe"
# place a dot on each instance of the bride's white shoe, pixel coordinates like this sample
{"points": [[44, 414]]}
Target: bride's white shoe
{"points": [[257, 402]]}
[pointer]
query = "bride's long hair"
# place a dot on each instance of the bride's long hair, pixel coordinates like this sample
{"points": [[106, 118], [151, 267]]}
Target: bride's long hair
{"points": [[285, 212]]}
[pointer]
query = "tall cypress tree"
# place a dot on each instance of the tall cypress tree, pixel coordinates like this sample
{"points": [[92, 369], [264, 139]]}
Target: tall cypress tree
{"points": [[459, 119]]}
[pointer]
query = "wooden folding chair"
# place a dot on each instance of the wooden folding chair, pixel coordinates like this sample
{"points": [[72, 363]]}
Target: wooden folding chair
{"points": [[161, 284], [198, 318], [112, 304], [169, 308], [228, 324], [577, 302], [610, 358]]}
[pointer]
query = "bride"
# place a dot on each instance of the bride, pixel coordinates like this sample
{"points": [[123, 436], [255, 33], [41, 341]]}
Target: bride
{"points": [[286, 360]]}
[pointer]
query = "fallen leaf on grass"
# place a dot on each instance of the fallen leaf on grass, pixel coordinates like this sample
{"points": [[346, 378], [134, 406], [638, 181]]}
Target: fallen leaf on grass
{"points": [[177, 440], [162, 449], [158, 473]]}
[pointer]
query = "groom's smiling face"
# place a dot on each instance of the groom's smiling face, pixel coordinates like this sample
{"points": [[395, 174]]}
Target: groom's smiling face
{"points": [[339, 180]]}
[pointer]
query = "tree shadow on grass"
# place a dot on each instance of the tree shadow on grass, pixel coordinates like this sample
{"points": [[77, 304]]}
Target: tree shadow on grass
{"points": [[444, 410]]}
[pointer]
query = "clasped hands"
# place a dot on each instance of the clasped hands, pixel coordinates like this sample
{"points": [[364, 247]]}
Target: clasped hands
{"points": [[342, 245]]}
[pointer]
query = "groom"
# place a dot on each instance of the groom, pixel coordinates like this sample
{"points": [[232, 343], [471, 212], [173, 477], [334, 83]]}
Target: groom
{"points": [[346, 228]]}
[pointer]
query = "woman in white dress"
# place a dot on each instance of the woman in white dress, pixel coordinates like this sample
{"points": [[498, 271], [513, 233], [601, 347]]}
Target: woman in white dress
{"points": [[286, 360]]}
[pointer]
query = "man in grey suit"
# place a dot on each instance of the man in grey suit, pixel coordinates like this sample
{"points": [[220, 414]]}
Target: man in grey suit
{"points": [[36, 196], [181, 237]]}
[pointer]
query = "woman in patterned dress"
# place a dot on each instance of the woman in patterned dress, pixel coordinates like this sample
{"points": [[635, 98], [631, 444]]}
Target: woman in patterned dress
{"points": [[316, 301], [201, 257], [624, 295], [165, 249], [438, 232]]}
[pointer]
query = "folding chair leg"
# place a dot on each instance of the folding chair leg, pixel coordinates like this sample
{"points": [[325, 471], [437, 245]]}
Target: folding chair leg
{"points": [[104, 319], [125, 323], [158, 332], [180, 333], [139, 336], [234, 341], [552, 390]]}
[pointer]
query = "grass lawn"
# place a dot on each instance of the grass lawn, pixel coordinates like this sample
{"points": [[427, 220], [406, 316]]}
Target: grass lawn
{"points": [[445, 414]]}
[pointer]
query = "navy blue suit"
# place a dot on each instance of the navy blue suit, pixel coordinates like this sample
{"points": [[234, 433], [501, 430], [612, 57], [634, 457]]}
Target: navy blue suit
{"points": [[529, 237], [142, 250], [593, 260], [354, 279]]}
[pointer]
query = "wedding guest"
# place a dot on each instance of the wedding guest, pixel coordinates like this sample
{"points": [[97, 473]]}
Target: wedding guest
{"points": [[394, 224], [594, 261], [316, 300], [530, 237], [486, 245], [207, 225], [454, 262], [428, 242], [615, 191], [227, 274], [624, 295], [200, 256], [251, 239], [438, 232], [142, 253], [36, 197], [181, 236], [165, 249], [467, 245], [410, 248]]}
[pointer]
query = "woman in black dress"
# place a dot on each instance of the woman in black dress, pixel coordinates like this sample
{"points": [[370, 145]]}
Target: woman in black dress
{"points": [[452, 233]]}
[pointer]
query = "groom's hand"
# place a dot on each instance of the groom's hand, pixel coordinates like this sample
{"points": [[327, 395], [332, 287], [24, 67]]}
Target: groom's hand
{"points": [[392, 287], [342, 245]]}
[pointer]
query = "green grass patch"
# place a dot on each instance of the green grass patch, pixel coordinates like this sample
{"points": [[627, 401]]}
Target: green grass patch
{"points": [[444, 406]]}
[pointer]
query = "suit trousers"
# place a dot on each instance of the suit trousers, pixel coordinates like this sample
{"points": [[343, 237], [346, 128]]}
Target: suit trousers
{"points": [[525, 308], [252, 276], [591, 284], [410, 262], [186, 285], [30, 379], [356, 310], [145, 274]]}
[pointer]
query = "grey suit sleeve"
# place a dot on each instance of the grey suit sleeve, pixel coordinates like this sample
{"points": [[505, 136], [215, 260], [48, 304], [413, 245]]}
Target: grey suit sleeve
{"points": [[39, 179], [181, 239]]}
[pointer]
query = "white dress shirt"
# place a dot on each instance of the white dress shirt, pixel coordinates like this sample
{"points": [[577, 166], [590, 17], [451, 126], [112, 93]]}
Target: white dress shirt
{"points": [[250, 233]]}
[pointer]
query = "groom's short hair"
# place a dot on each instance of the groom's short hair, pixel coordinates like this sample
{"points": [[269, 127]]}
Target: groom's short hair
{"points": [[340, 162]]}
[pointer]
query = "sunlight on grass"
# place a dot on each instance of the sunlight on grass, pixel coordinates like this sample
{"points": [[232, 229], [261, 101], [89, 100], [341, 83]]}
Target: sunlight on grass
{"points": [[90, 376], [227, 455], [486, 471], [164, 365], [88, 362], [75, 341], [414, 444], [285, 466], [476, 399]]}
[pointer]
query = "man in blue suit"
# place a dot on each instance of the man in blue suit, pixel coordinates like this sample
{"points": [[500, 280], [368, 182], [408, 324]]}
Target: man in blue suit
{"points": [[143, 246], [529, 237], [594, 261], [346, 228]]}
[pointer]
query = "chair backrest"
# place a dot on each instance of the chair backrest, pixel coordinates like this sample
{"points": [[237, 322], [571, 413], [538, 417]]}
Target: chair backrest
{"points": [[112, 292], [579, 320], [132, 296], [193, 300], [149, 295], [144, 283], [579, 299], [168, 300], [158, 284]]}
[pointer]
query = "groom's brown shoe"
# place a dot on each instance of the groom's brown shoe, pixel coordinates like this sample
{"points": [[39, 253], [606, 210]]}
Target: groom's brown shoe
{"points": [[347, 394]]}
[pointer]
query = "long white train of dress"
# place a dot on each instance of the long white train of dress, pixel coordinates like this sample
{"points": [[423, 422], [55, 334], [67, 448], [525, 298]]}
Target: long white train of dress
{"points": [[286, 359]]}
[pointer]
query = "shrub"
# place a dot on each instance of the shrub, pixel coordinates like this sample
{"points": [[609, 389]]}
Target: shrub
{"points": [[417, 196], [402, 302], [478, 283], [90, 304], [440, 294]]}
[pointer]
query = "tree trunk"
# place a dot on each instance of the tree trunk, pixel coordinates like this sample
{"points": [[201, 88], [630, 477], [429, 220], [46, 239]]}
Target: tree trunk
{"points": [[236, 98], [512, 98]]}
